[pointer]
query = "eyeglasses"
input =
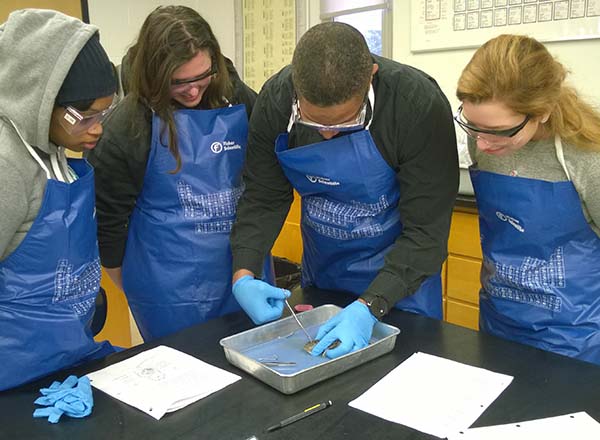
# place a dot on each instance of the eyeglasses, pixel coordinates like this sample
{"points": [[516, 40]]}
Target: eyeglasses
{"points": [[75, 123], [182, 86], [358, 123], [490, 136]]}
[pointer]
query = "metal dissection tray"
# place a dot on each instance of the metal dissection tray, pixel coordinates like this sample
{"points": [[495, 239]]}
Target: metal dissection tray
{"points": [[283, 341]]}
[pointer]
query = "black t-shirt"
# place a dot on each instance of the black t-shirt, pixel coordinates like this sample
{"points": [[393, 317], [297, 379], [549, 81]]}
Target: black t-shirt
{"points": [[414, 132]]}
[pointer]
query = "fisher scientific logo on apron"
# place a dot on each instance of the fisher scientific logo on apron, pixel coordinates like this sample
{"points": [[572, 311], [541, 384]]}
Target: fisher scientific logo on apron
{"points": [[218, 147], [322, 180], [511, 221]]}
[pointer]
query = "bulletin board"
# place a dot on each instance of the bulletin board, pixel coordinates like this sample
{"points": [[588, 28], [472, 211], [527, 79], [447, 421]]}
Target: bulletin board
{"points": [[450, 24], [266, 35]]}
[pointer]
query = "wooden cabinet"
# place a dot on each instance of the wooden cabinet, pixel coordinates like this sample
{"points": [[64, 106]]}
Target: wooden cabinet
{"points": [[289, 242], [69, 7], [117, 327], [462, 284]]}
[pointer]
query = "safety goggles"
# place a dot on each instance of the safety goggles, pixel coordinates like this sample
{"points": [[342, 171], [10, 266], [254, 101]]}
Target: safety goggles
{"points": [[75, 123], [183, 86], [356, 124], [492, 136]]}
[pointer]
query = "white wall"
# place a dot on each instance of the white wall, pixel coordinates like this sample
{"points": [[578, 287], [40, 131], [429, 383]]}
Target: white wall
{"points": [[120, 21], [582, 58]]}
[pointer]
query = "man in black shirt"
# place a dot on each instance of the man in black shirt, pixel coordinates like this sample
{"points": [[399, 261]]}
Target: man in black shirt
{"points": [[378, 174]]}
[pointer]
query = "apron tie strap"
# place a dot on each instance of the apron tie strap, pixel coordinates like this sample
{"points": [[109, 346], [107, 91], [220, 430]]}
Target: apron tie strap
{"points": [[560, 155]]}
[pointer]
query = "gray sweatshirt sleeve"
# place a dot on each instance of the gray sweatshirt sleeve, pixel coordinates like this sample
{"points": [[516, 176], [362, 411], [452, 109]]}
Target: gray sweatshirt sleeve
{"points": [[13, 205], [584, 170]]}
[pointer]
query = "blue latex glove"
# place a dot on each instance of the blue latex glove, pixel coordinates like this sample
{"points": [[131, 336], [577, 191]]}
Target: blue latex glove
{"points": [[73, 397], [56, 391], [353, 326], [261, 301]]}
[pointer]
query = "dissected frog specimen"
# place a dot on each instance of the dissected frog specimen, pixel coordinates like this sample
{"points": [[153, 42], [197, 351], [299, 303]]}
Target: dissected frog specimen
{"points": [[310, 345]]}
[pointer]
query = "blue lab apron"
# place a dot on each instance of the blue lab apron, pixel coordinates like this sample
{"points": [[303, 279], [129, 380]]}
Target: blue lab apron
{"points": [[48, 285], [350, 218], [540, 275], [177, 264]]}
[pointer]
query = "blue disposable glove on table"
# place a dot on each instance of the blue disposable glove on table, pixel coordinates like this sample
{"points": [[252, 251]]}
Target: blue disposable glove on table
{"points": [[353, 326], [261, 301], [73, 397]]}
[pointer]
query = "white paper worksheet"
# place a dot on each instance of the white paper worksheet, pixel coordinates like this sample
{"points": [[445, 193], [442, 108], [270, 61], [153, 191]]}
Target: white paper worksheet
{"points": [[433, 395], [161, 380], [579, 426]]}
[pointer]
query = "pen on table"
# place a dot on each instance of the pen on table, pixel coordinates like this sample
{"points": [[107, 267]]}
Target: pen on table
{"points": [[307, 412]]}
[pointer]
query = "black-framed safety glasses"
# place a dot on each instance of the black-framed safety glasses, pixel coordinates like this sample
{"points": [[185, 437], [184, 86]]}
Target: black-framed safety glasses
{"points": [[181, 86], [476, 132]]}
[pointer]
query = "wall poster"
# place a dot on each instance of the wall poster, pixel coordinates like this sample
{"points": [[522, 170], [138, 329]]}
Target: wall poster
{"points": [[451, 24]]}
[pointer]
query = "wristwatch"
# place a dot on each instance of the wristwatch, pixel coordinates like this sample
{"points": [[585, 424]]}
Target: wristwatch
{"points": [[378, 305]]}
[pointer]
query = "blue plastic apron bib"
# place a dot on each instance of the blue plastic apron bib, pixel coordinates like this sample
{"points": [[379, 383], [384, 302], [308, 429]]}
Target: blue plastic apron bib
{"points": [[177, 264], [350, 216], [540, 276], [48, 285]]}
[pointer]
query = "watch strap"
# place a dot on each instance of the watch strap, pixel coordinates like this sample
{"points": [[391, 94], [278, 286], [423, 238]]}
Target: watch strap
{"points": [[378, 305]]}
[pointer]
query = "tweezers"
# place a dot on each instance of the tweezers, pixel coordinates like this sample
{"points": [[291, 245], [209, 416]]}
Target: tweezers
{"points": [[298, 321], [278, 363]]}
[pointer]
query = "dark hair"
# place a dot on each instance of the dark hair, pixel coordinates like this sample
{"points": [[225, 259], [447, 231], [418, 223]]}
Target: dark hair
{"points": [[331, 64], [170, 37]]}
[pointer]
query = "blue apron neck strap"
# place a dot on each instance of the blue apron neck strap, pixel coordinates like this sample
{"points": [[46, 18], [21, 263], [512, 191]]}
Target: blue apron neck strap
{"points": [[560, 155], [371, 95]]}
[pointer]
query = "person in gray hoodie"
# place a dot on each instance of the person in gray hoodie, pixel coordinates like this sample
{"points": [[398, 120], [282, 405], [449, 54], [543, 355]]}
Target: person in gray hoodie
{"points": [[57, 86]]}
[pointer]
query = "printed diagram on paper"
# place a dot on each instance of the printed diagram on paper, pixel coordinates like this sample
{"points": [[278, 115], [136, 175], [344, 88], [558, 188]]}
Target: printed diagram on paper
{"points": [[161, 380], [447, 24]]}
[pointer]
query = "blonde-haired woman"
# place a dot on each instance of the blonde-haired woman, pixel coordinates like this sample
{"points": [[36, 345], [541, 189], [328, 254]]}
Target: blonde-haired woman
{"points": [[535, 146]]}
